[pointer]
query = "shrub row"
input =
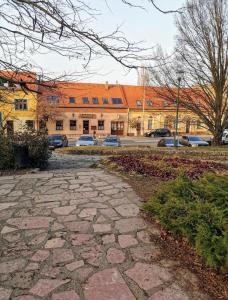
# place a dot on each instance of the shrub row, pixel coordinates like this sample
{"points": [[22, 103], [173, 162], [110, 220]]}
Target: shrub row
{"points": [[196, 210], [36, 143]]}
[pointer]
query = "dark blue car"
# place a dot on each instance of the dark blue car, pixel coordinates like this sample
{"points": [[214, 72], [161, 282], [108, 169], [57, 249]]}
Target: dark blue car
{"points": [[57, 141]]}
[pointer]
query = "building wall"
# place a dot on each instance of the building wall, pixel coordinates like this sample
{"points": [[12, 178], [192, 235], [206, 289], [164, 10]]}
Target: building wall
{"points": [[162, 118], [92, 116], [8, 112]]}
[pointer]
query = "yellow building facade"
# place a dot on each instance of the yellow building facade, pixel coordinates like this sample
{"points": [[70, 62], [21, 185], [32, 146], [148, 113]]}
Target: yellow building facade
{"points": [[17, 104]]}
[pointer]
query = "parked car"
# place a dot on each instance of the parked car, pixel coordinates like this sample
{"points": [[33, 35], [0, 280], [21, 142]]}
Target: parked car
{"points": [[57, 141], [225, 137], [112, 140], [168, 142], [160, 132], [86, 140], [193, 141]]}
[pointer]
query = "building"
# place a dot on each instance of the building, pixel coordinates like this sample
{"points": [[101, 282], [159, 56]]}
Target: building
{"points": [[84, 108], [18, 99], [111, 109]]}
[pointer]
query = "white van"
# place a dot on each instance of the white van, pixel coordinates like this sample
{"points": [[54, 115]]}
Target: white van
{"points": [[225, 136]]}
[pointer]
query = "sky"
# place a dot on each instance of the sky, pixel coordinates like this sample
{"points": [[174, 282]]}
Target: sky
{"points": [[150, 26]]}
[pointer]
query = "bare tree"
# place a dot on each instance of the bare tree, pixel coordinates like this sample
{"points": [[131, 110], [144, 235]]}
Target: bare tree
{"points": [[202, 53]]}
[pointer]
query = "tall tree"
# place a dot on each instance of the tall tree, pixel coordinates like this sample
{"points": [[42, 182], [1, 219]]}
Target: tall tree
{"points": [[202, 53]]}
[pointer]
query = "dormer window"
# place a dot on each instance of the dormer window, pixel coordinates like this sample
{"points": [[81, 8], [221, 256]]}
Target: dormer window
{"points": [[71, 100], [117, 101], [95, 100], [85, 100], [165, 103], [149, 102], [138, 102], [105, 100], [53, 99]]}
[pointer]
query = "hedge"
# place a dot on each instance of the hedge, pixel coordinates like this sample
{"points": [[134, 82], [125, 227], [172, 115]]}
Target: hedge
{"points": [[196, 210]]}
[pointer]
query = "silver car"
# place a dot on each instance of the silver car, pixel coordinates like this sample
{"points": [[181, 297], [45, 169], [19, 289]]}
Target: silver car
{"points": [[86, 140], [112, 140], [193, 141]]}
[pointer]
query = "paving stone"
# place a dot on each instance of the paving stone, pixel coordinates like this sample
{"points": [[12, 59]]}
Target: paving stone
{"points": [[93, 205], [118, 202], [131, 224], [75, 265], [148, 276], [108, 239], [50, 271], [69, 218], [5, 293], [101, 219], [40, 255], [88, 213], [82, 274], [26, 297], [44, 286], [16, 193], [22, 280], [12, 237], [110, 191], [83, 226], [144, 236], [7, 229], [67, 295], [48, 205], [126, 240], [62, 256], [12, 265], [127, 210], [7, 205], [32, 267], [80, 239], [102, 228], [30, 222], [109, 212], [54, 243], [56, 226], [107, 284], [40, 238], [64, 210], [115, 256], [146, 252], [4, 192], [170, 293], [92, 254]]}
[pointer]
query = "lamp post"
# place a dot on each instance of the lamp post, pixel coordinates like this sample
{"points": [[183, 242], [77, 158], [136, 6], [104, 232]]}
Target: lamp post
{"points": [[180, 74]]}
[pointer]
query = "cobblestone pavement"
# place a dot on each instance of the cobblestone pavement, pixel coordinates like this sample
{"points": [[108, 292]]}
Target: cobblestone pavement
{"points": [[78, 234]]}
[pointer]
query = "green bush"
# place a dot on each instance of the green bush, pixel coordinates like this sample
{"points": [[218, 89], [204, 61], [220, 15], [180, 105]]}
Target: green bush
{"points": [[36, 142], [198, 211]]}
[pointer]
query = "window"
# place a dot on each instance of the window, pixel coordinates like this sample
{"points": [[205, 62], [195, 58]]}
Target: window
{"points": [[30, 124], [53, 99], [71, 100], [85, 100], [138, 102], [117, 101], [59, 125], [21, 104], [73, 125], [150, 123], [149, 102], [165, 103], [95, 100], [100, 125], [105, 100]]}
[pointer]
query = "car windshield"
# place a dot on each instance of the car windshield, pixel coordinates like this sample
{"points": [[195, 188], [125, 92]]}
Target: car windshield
{"points": [[195, 139], [111, 140], [86, 138], [55, 137]]}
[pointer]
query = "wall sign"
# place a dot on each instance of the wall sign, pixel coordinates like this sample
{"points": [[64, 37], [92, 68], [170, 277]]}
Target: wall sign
{"points": [[87, 116]]}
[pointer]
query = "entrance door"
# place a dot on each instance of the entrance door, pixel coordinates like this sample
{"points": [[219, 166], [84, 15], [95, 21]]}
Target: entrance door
{"points": [[138, 129], [117, 128], [9, 128], [85, 126]]}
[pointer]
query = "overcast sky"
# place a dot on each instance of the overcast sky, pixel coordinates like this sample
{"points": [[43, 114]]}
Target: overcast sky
{"points": [[150, 26]]}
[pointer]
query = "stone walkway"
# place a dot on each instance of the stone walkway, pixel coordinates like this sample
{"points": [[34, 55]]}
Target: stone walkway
{"points": [[78, 234]]}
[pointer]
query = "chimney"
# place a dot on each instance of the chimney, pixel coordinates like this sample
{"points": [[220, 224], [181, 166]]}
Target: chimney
{"points": [[106, 85]]}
